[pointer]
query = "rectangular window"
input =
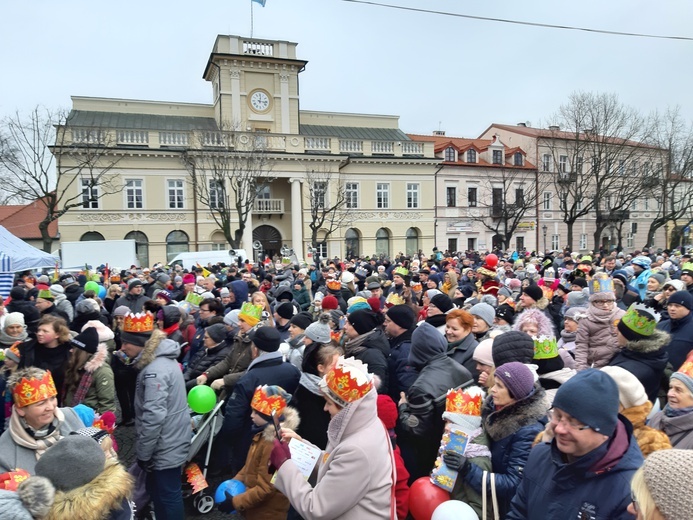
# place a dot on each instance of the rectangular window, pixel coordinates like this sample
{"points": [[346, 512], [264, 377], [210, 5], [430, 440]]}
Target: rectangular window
{"points": [[547, 162], [352, 195], [382, 195], [579, 161], [263, 192], [518, 159], [216, 195], [449, 154], [555, 242], [563, 164], [578, 203], [583, 241], [595, 165], [90, 195], [175, 194], [646, 205], [471, 197], [412, 195], [471, 244], [519, 198], [548, 201], [629, 241], [622, 167], [519, 243], [497, 202], [134, 194], [607, 203], [320, 194], [497, 156], [451, 196], [452, 244], [634, 205], [321, 249]]}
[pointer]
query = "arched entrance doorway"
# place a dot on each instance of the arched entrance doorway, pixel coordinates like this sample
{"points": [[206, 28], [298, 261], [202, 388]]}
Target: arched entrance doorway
{"points": [[497, 242], [270, 238]]}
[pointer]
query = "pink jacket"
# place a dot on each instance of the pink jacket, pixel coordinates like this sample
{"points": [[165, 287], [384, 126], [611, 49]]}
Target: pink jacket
{"points": [[597, 339]]}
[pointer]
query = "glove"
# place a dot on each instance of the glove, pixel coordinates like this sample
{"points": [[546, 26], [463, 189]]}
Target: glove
{"points": [[280, 454], [145, 465], [455, 461], [227, 505]]}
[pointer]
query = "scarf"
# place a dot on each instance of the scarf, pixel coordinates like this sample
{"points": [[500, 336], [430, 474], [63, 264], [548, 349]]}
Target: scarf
{"points": [[602, 315], [354, 346], [676, 412], [170, 330], [568, 337], [23, 435], [311, 383], [83, 388], [8, 340]]}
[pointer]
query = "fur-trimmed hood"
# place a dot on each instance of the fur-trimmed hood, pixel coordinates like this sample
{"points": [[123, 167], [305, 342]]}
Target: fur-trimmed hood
{"points": [[97, 359], [157, 346], [291, 421], [105, 334], [637, 415], [506, 421], [658, 340], [534, 315], [109, 491]]}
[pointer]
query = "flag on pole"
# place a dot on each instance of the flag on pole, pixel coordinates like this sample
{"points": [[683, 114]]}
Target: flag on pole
{"points": [[261, 2]]}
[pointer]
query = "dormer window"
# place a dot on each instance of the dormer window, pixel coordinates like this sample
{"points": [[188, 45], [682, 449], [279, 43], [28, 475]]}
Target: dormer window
{"points": [[497, 156], [471, 156], [449, 154], [517, 159]]}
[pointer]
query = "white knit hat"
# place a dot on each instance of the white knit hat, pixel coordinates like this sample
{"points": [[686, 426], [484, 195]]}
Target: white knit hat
{"points": [[631, 392], [668, 478], [14, 318]]}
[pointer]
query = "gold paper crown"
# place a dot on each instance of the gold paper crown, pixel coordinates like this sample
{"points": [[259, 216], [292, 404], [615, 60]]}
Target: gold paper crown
{"points": [[394, 299], [33, 390], [545, 347], [268, 399], [401, 270], [10, 481], [140, 323], [467, 402], [334, 285], [194, 299], [349, 380]]}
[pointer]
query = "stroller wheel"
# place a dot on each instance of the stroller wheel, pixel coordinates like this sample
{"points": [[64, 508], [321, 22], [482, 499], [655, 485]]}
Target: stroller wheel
{"points": [[203, 503]]}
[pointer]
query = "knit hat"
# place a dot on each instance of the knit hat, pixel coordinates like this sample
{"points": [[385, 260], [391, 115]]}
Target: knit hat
{"points": [[432, 292], [667, 475], [72, 462], [14, 318], [482, 352], [512, 346], [217, 332], [348, 381], [631, 392], [575, 314], [188, 278], [87, 340], [319, 331], [56, 289], [231, 317], [485, 312], [580, 282], [463, 408], [329, 303], [163, 278], [13, 353], [387, 411], [639, 322], [591, 397], [87, 306], [642, 261], [93, 433], [266, 339], [506, 312], [546, 355], [285, 310], [659, 276], [357, 303], [685, 373], [45, 294], [683, 298], [134, 282], [534, 292], [517, 378], [164, 295], [250, 313], [505, 291], [402, 315], [363, 321], [678, 285], [577, 299], [336, 315], [302, 320], [442, 301], [122, 310]]}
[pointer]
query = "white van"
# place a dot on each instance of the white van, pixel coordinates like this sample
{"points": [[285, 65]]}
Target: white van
{"points": [[231, 256]]}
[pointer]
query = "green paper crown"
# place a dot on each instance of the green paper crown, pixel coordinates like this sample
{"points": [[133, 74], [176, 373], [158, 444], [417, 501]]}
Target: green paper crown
{"points": [[545, 347], [254, 311], [194, 299], [641, 319], [45, 294], [402, 271], [688, 266]]}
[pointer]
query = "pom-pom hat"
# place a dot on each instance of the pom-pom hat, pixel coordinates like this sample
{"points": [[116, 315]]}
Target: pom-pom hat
{"points": [[347, 382]]}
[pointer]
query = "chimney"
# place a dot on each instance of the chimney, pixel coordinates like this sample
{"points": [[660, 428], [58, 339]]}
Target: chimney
{"points": [[554, 128], [522, 124], [439, 132]]}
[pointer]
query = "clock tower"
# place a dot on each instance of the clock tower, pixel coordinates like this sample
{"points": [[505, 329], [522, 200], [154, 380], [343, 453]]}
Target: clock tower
{"points": [[255, 84]]}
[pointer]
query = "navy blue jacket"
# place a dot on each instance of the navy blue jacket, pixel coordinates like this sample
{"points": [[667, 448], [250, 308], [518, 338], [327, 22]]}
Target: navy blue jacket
{"points": [[553, 489], [681, 339], [402, 376]]}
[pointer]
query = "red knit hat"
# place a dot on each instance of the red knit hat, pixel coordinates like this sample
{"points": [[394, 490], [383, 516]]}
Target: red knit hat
{"points": [[387, 411], [189, 278], [374, 303], [330, 303]]}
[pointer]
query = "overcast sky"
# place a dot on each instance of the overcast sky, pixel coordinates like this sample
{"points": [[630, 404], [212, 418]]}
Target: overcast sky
{"points": [[433, 71]]}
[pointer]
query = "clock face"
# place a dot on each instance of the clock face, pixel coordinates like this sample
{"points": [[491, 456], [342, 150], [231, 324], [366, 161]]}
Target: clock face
{"points": [[259, 101]]}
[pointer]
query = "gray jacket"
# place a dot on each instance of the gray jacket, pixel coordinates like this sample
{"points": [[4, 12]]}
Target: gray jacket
{"points": [[13, 456], [162, 420], [63, 304], [679, 429]]}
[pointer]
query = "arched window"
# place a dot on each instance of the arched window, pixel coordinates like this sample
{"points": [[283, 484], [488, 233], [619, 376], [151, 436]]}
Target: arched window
{"points": [[219, 242], [176, 242], [352, 239], [141, 246], [471, 156], [518, 158], [90, 236], [449, 154], [412, 241], [382, 242]]}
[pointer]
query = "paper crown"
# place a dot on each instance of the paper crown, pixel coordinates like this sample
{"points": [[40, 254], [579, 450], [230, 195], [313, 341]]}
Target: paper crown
{"points": [[286, 261], [45, 294], [687, 268], [601, 282], [687, 367], [401, 271], [10, 481], [545, 347], [334, 285], [194, 299], [640, 319], [415, 286], [250, 313], [464, 401], [32, 390], [361, 272], [268, 399], [115, 278], [394, 299], [140, 323], [487, 270], [348, 381]]}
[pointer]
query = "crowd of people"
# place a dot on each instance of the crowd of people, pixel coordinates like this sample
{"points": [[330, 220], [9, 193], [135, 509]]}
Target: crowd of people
{"points": [[569, 377]]}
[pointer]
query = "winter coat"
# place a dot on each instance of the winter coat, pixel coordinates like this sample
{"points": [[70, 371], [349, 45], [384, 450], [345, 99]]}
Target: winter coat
{"points": [[355, 473], [438, 321], [81, 319], [162, 420], [132, 302], [203, 361], [649, 439], [512, 430], [679, 429], [311, 405], [295, 353], [681, 339], [478, 454], [13, 456], [239, 288], [63, 305], [106, 497], [101, 395], [552, 489], [463, 351], [261, 500], [233, 365], [402, 376], [597, 340], [645, 359], [54, 311], [374, 351], [54, 359], [302, 298]]}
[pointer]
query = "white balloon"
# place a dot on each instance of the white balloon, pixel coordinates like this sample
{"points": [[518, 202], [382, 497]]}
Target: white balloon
{"points": [[454, 510]]}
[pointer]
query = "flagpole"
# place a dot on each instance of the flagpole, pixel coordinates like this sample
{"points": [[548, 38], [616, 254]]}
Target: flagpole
{"points": [[251, 18]]}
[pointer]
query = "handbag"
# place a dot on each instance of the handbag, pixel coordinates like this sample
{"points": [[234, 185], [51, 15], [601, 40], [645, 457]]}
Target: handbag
{"points": [[494, 498]]}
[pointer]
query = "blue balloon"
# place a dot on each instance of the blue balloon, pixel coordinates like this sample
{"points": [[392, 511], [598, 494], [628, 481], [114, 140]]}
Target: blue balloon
{"points": [[102, 292], [234, 487]]}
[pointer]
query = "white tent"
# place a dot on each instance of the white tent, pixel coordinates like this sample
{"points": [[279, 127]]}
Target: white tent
{"points": [[22, 256]]}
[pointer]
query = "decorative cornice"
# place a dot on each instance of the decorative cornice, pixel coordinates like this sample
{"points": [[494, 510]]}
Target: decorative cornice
{"points": [[130, 217]]}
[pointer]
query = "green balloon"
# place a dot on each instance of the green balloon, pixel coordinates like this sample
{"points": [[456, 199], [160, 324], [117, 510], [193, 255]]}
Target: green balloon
{"points": [[202, 399], [92, 286]]}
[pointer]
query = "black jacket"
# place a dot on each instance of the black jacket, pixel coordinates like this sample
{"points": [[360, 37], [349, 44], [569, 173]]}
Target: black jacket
{"points": [[402, 376], [374, 351], [53, 359], [463, 351], [203, 360], [311, 406], [681, 339], [73, 292]]}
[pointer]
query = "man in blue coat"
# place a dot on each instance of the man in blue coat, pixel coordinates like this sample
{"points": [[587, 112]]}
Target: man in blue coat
{"points": [[585, 471], [680, 326]]}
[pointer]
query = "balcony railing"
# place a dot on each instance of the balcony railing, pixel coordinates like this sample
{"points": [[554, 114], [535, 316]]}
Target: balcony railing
{"points": [[383, 147], [173, 139], [318, 144], [137, 137], [269, 206], [350, 146]]}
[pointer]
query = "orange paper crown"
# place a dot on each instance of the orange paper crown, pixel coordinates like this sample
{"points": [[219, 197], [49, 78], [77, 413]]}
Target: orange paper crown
{"points": [[348, 381], [139, 323], [334, 285], [268, 399], [10, 481], [464, 402], [687, 367], [30, 391]]}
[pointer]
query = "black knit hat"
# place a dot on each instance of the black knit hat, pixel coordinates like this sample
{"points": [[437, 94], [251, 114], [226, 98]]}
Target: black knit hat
{"points": [[266, 339], [217, 332], [363, 321], [286, 310], [534, 292], [442, 301], [87, 340], [512, 346], [402, 315], [302, 320], [506, 312]]}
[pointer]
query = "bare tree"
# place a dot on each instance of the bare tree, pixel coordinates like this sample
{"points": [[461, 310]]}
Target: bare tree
{"points": [[48, 160], [227, 170], [327, 201]]}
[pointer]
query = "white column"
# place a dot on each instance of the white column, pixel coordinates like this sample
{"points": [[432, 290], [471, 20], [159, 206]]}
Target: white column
{"points": [[296, 218], [247, 240]]}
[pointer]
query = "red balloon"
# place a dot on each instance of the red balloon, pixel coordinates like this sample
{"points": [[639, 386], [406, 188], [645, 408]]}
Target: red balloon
{"points": [[491, 260], [424, 497]]}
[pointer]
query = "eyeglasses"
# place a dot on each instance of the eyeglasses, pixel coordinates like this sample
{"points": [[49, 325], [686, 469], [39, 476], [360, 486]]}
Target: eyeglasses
{"points": [[570, 423], [635, 502], [603, 303], [204, 310], [672, 289]]}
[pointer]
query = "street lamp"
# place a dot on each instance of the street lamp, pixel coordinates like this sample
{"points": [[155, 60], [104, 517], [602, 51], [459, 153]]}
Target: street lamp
{"points": [[544, 228]]}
